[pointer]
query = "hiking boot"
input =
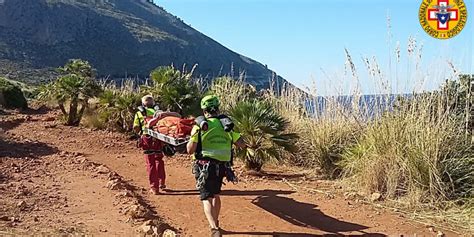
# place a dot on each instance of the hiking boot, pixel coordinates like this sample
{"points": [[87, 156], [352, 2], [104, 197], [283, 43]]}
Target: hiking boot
{"points": [[216, 233], [154, 191]]}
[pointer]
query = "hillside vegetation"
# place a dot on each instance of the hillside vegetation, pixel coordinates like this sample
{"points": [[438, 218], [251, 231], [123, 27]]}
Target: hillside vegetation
{"points": [[11, 95]]}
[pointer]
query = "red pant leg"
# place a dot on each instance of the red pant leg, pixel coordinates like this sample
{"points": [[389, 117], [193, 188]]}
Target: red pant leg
{"points": [[151, 169], [161, 169]]}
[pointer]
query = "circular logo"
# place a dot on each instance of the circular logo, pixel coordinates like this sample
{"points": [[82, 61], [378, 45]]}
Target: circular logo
{"points": [[443, 19]]}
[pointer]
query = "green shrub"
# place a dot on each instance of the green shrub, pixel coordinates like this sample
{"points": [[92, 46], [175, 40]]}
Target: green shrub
{"points": [[11, 95], [92, 119], [175, 90], [414, 152], [460, 99], [117, 108], [325, 142], [75, 87], [263, 131], [323, 138]]}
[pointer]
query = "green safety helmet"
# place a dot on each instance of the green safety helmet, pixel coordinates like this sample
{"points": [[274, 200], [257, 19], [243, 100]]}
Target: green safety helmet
{"points": [[210, 101]]}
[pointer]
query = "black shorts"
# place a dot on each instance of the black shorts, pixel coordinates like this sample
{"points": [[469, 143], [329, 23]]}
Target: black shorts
{"points": [[213, 185]]}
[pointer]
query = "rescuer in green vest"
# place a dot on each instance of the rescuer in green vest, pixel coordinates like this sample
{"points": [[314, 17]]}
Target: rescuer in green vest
{"points": [[211, 143]]}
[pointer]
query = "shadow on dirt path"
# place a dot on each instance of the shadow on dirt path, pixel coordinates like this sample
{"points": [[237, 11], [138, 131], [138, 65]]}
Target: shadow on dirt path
{"points": [[10, 124], [36, 111], [25, 149], [175, 192], [284, 234], [303, 214], [278, 176], [294, 212], [297, 213]]}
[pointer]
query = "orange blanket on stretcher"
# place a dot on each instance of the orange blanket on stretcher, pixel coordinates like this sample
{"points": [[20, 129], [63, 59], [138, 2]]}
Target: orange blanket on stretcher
{"points": [[173, 126]]}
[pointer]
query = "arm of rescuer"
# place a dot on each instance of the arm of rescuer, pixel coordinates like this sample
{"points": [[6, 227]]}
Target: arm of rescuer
{"points": [[136, 124], [192, 144], [193, 141]]}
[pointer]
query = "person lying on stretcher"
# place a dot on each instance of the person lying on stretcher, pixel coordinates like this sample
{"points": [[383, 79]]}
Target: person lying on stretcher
{"points": [[171, 124], [160, 114]]}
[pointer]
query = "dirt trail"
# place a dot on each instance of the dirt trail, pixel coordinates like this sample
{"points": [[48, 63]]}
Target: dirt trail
{"points": [[255, 207]]}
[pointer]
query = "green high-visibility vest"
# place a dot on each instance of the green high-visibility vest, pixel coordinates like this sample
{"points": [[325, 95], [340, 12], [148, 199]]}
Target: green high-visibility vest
{"points": [[216, 143], [140, 120]]}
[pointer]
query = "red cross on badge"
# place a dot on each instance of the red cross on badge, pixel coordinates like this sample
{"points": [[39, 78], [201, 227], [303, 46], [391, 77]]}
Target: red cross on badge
{"points": [[443, 14]]}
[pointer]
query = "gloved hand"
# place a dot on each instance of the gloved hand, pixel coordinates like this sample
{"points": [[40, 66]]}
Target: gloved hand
{"points": [[168, 150], [230, 175]]}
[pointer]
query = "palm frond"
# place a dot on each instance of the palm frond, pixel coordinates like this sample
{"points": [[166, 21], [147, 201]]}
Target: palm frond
{"points": [[263, 130]]}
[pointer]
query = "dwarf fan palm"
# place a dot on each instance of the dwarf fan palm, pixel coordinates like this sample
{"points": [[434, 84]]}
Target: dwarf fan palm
{"points": [[76, 86], [264, 132], [117, 108], [175, 90]]}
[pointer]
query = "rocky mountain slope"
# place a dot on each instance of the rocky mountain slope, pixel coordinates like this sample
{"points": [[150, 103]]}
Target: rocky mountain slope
{"points": [[121, 38]]}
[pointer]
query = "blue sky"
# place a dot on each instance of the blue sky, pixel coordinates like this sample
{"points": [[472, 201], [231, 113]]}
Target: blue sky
{"points": [[304, 40]]}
